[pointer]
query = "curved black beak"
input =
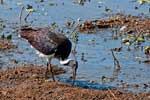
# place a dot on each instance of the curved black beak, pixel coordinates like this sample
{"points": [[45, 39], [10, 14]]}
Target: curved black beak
{"points": [[74, 65], [74, 71]]}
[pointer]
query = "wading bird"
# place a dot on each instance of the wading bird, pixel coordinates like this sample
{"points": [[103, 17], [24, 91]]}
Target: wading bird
{"points": [[50, 45]]}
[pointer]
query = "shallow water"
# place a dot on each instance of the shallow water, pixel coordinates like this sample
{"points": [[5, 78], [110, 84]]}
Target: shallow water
{"points": [[93, 50]]}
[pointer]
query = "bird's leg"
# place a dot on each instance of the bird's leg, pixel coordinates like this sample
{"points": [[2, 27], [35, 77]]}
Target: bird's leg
{"points": [[74, 76], [51, 70], [46, 73]]}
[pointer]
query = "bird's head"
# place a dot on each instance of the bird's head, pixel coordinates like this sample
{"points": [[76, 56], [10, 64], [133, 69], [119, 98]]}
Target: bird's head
{"points": [[25, 31], [73, 64]]}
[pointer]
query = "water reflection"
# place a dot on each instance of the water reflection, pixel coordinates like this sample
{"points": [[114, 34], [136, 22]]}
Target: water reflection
{"points": [[87, 85]]}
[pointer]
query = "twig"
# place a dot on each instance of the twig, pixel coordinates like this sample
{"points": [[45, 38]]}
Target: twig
{"points": [[20, 15], [138, 34], [116, 62], [2, 2], [25, 19]]}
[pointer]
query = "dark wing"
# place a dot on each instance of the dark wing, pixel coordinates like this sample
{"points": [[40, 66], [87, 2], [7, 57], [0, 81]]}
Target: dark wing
{"points": [[39, 40], [48, 42], [62, 43]]}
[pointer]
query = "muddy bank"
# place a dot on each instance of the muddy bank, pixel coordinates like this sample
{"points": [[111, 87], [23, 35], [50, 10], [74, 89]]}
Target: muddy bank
{"points": [[129, 24], [29, 83]]}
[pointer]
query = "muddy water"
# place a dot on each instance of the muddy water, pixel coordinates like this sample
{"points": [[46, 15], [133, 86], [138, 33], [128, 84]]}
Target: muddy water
{"points": [[93, 50]]}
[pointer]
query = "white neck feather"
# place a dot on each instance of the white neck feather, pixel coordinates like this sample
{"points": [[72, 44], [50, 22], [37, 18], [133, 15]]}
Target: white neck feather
{"points": [[63, 62]]}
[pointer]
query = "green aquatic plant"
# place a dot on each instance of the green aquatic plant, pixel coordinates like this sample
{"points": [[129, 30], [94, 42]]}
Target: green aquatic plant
{"points": [[30, 8], [143, 1], [9, 37], [75, 37], [54, 26], [139, 39], [104, 79], [108, 9], [3, 36]]}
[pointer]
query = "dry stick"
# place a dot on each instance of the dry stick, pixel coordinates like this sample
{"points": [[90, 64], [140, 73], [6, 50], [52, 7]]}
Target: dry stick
{"points": [[138, 34], [116, 62], [25, 19], [20, 15], [2, 2]]}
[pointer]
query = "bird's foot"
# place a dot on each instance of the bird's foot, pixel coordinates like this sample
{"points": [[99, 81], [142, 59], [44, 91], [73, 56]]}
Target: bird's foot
{"points": [[48, 75], [73, 80], [49, 72]]}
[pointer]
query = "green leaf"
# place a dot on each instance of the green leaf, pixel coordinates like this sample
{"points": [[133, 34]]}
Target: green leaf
{"points": [[9, 37], [140, 39], [19, 3], [147, 48], [3, 36], [104, 79], [127, 43], [75, 36], [54, 26], [30, 8], [143, 1], [108, 9]]}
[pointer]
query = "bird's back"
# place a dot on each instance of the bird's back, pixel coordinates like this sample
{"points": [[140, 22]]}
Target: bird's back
{"points": [[48, 42]]}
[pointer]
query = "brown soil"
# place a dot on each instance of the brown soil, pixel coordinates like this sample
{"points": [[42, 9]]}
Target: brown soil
{"points": [[133, 24], [29, 83]]}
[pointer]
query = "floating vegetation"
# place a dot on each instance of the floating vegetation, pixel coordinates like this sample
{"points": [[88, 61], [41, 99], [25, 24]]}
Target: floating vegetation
{"points": [[30, 8], [147, 53], [108, 9], [142, 1], [127, 24], [54, 26]]}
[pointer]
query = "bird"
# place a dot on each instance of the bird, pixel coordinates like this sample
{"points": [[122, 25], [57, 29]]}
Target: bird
{"points": [[50, 45]]}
